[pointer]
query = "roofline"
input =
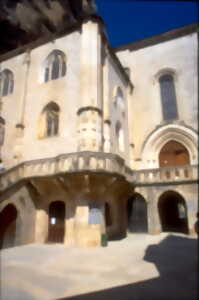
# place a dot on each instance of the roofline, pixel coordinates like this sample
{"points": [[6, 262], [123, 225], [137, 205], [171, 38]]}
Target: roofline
{"points": [[39, 42], [159, 38], [49, 38]]}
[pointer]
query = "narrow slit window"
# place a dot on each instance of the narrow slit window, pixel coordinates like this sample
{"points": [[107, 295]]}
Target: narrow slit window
{"points": [[168, 97]]}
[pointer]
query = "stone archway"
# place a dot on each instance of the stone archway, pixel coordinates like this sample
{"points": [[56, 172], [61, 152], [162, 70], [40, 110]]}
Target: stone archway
{"points": [[162, 135], [137, 214], [56, 229], [8, 218], [173, 212], [173, 154]]}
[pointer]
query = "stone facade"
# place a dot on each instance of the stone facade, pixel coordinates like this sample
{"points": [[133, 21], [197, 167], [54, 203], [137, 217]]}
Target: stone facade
{"points": [[80, 137]]}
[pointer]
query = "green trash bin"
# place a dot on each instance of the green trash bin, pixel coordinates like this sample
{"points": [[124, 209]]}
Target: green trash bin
{"points": [[104, 240]]}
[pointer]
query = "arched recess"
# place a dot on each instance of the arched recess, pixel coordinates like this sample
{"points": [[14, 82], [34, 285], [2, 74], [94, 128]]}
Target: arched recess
{"points": [[137, 214], [8, 226], [155, 141], [173, 154], [173, 212], [56, 229], [54, 66]]}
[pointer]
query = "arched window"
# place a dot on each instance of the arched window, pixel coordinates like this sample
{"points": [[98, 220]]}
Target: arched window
{"points": [[55, 65], [120, 136], [119, 100], [6, 82], [49, 122], [168, 97]]}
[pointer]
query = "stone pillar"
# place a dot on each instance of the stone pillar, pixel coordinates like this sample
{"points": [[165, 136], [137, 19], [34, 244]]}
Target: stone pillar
{"points": [[87, 235], [69, 238], [130, 122], [18, 148], [41, 226], [90, 111], [154, 226], [106, 106]]}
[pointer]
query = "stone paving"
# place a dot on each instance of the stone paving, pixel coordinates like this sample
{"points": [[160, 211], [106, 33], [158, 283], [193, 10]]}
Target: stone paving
{"points": [[137, 268]]}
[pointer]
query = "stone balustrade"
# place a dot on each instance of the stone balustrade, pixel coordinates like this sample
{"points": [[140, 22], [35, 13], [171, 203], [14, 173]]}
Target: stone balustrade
{"points": [[95, 162], [166, 174], [70, 163]]}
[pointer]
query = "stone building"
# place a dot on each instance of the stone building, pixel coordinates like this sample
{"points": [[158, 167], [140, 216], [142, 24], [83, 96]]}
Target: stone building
{"points": [[96, 142]]}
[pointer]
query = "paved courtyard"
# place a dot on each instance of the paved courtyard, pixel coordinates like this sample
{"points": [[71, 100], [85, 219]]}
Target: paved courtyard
{"points": [[139, 267]]}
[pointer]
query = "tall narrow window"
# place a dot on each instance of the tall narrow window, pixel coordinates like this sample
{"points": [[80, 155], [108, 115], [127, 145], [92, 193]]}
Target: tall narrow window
{"points": [[168, 97], [6, 82], [120, 137], [119, 100], [49, 122], [2, 131], [55, 65]]}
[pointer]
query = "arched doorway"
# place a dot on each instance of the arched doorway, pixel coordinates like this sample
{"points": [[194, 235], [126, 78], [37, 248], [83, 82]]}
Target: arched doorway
{"points": [[173, 212], [56, 222], [173, 154], [137, 214], [8, 219]]}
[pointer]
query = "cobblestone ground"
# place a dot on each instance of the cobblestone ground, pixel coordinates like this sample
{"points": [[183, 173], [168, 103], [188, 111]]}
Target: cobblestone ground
{"points": [[139, 267]]}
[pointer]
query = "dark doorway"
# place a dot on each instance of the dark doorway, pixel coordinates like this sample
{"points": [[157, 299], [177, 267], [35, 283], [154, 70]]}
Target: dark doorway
{"points": [[56, 222], [108, 218], [173, 154], [173, 213], [8, 226], [137, 214]]}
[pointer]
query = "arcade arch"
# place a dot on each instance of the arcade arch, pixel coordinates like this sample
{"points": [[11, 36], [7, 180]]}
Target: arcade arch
{"points": [[8, 226], [137, 214], [173, 212]]}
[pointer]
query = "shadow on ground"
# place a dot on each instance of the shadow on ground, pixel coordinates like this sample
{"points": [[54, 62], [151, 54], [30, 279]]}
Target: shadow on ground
{"points": [[175, 258]]}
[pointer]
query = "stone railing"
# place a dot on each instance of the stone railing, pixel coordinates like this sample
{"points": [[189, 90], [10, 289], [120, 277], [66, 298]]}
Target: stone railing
{"points": [[95, 162], [70, 163], [166, 174]]}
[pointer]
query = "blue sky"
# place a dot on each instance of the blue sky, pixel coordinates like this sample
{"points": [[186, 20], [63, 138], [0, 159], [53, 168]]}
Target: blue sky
{"points": [[130, 20]]}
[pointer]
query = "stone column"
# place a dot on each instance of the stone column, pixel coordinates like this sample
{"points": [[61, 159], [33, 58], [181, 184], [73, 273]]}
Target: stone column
{"points": [[41, 226], [69, 238], [106, 105], [18, 149], [129, 97], [90, 111]]}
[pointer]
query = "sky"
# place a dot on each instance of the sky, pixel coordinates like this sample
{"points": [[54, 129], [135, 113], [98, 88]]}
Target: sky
{"points": [[131, 20]]}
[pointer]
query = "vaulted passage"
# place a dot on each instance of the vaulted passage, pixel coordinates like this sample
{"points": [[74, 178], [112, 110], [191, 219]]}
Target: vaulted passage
{"points": [[137, 214], [56, 222], [173, 154], [173, 212], [8, 226]]}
